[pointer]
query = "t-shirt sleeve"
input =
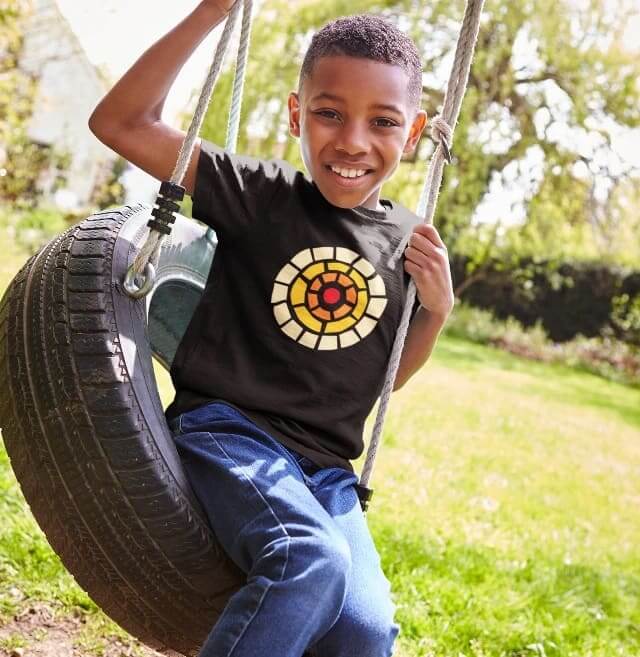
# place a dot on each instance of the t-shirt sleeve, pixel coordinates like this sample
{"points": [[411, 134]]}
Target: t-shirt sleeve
{"points": [[231, 192]]}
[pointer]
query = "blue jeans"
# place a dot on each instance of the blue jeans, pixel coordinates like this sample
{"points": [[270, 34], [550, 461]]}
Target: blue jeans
{"points": [[314, 581]]}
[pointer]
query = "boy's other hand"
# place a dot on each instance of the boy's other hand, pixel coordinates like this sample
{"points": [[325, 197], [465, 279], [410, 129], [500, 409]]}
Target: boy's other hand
{"points": [[427, 260]]}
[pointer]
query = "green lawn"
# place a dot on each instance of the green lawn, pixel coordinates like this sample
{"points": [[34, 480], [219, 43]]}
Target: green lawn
{"points": [[506, 512]]}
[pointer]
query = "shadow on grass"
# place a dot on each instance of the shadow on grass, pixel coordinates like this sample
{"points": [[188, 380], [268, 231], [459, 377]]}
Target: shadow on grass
{"points": [[455, 598]]}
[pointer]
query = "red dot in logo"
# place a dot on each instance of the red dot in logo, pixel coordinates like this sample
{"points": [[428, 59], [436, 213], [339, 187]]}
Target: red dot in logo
{"points": [[331, 295]]}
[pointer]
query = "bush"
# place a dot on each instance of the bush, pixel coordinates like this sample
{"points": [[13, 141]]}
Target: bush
{"points": [[33, 228], [604, 355], [625, 316], [569, 298]]}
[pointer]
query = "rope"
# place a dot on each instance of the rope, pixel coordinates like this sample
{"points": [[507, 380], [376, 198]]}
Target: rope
{"points": [[237, 94], [443, 127], [150, 251], [238, 81]]}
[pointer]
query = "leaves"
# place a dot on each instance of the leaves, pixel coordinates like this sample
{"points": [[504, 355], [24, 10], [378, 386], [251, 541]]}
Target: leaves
{"points": [[22, 161], [549, 85]]}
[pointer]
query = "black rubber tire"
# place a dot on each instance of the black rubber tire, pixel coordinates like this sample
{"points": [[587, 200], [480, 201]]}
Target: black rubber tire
{"points": [[85, 431]]}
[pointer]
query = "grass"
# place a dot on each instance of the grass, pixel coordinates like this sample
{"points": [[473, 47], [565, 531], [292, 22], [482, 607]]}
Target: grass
{"points": [[506, 513]]}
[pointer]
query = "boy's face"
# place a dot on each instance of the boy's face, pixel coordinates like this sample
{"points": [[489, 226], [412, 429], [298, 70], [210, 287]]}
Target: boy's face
{"points": [[354, 121]]}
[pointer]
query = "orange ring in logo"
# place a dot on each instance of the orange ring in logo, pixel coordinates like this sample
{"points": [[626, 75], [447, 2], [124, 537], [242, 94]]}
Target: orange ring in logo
{"points": [[328, 298]]}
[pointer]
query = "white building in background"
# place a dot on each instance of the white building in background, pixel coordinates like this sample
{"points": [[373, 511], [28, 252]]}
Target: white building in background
{"points": [[69, 88]]}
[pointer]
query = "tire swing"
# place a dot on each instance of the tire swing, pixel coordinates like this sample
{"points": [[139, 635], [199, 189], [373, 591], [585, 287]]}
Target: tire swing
{"points": [[80, 412]]}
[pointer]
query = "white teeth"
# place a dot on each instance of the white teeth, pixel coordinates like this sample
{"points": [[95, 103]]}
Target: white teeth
{"points": [[349, 173]]}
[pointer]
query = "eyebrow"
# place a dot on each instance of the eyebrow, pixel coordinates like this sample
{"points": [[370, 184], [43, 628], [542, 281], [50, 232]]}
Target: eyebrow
{"points": [[379, 106]]}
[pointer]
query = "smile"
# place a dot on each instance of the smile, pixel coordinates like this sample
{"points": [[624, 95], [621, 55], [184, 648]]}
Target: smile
{"points": [[348, 177]]}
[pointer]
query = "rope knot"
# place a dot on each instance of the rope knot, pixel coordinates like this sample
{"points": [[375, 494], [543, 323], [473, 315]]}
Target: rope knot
{"points": [[441, 133]]}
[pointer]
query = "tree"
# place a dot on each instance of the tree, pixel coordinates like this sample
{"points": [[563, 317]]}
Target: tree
{"points": [[21, 160], [549, 87]]}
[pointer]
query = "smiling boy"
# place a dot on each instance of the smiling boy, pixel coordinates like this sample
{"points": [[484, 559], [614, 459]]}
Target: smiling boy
{"points": [[287, 351]]}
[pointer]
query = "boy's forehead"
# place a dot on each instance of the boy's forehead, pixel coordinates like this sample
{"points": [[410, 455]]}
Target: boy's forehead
{"points": [[357, 80]]}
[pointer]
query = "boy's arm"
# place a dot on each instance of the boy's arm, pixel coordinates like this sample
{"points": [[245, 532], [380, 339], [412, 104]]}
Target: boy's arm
{"points": [[427, 261], [421, 338], [128, 118]]}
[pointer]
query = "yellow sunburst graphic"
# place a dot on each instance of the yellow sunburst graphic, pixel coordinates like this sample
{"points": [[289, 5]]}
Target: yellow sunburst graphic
{"points": [[328, 298]]}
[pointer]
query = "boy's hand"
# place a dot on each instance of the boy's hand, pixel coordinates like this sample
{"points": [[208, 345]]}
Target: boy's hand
{"points": [[427, 261], [224, 6]]}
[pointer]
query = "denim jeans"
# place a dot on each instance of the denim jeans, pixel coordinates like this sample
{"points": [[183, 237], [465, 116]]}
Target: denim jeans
{"points": [[314, 582]]}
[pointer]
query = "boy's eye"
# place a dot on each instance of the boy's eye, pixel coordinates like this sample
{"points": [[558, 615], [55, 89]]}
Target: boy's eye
{"points": [[385, 123], [381, 122], [328, 113]]}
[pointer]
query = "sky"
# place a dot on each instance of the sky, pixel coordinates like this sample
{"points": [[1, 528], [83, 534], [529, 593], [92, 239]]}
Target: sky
{"points": [[114, 33]]}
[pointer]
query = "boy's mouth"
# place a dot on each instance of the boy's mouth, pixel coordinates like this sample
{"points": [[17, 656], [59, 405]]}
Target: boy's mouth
{"points": [[348, 177]]}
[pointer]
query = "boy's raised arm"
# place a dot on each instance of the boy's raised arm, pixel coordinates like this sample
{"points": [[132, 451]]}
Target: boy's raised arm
{"points": [[128, 118]]}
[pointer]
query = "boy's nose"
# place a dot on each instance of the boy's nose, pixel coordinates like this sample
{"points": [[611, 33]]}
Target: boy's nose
{"points": [[352, 140]]}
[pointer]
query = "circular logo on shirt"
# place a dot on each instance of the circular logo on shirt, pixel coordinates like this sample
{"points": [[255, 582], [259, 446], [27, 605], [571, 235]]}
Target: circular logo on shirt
{"points": [[328, 298]]}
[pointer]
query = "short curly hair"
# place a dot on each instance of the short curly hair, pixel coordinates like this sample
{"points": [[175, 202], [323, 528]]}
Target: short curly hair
{"points": [[368, 37]]}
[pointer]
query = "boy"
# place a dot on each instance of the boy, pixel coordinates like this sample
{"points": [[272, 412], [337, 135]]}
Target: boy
{"points": [[288, 348]]}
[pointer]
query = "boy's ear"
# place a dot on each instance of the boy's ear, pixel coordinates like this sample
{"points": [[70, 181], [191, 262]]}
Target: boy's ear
{"points": [[415, 132], [294, 114]]}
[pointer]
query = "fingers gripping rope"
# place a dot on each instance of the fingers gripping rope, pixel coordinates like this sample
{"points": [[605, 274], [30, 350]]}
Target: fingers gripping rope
{"points": [[140, 276]]}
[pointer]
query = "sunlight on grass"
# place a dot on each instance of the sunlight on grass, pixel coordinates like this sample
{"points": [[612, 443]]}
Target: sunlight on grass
{"points": [[506, 508]]}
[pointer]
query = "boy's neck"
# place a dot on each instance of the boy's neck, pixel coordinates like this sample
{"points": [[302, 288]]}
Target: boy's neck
{"points": [[378, 207], [370, 203], [374, 203]]}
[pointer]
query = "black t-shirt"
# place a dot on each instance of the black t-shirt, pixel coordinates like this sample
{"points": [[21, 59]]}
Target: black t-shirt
{"points": [[299, 314]]}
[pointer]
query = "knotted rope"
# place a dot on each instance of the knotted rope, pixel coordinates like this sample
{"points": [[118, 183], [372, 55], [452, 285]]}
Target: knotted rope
{"points": [[150, 250], [442, 132]]}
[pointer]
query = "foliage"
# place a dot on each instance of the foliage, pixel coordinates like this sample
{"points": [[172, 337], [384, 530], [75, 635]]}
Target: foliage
{"points": [[603, 355], [27, 163], [36, 226], [110, 191], [625, 315], [550, 87], [27, 229], [568, 297], [22, 161]]}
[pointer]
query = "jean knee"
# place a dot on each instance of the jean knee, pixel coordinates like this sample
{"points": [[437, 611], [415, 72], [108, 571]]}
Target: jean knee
{"points": [[366, 630], [327, 573], [334, 557], [375, 634]]}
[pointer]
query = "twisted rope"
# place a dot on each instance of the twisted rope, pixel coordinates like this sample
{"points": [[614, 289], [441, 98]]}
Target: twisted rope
{"points": [[443, 127], [238, 81], [150, 250]]}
